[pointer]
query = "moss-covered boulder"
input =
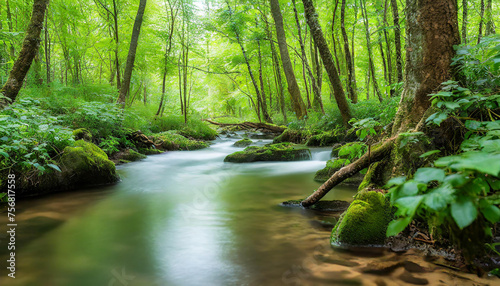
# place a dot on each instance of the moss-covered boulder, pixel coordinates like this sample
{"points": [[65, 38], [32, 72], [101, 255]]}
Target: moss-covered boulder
{"points": [[82, 134], [172, 141], [325, 138], [87, 164], [335, 150], [271, 152], [332, 166], [150, 151], [243, 143], [293, 136], [127, 155], [364, 223]]}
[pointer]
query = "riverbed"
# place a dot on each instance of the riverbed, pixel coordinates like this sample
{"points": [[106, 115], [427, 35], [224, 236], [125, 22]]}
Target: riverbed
{"points": [[188, 218]]}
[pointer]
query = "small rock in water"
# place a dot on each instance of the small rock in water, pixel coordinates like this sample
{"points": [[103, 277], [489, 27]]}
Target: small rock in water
{"points": [[409, 278]]}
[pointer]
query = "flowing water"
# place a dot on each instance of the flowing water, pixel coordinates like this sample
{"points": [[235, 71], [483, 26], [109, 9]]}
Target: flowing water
{"points": [[188, 218]]}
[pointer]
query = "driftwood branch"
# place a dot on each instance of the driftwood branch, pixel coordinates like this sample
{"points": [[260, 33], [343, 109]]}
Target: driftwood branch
{"points": [[349, 170]]}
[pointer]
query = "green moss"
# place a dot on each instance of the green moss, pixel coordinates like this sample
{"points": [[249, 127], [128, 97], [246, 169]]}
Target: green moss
{"points": [[365, 221], [332, 166], [86, 163], [150, 151], [369, 176], [271, 152], [132, 155], [82, 133], [172, 141], [293, 136], [325, 138], [243, 143]]}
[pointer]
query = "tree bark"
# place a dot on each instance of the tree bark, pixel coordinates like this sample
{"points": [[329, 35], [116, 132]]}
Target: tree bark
{"points": [[464, 21], [267, 118], [326, 56], [490, 25], [28, 52], [278, 79], [481, 20], [293, 87], [370, 53], [351, 83], [348, 171], [397, 40], [431, 32], [127, 76], [318, 103]]}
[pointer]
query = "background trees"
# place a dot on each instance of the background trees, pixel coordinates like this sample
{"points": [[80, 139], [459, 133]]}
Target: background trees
{"points": [[214, 58]]}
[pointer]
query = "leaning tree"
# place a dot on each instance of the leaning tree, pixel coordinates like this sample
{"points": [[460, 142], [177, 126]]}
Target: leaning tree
{"points": [[431, 33], [29, 49]]}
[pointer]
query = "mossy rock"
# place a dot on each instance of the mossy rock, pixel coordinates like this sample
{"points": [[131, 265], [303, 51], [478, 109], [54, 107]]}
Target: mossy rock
{"points": [[131, 156], [172, 141], [150, 151], [325, 138], [335, 150], [293, 136], [82, 134], [364, 223], [332, 166], [271, 152], [87, 164], [243, 143]]}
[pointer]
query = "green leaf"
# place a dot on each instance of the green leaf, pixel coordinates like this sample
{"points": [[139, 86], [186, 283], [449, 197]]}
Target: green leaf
{"points": [[464, 212], [55, 167], [439, 198], [472, 124], [397, 226], [456, 180], [426, 175], [408, 205], [490, 212], [409, 188], [473, 160], [426, 154], [395, 182]]}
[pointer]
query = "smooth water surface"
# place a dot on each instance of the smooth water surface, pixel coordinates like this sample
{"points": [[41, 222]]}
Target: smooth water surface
{"points": [[188, 218]]}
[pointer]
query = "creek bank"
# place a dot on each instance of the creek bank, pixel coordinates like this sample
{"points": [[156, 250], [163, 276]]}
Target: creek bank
{"points": [[270, 152]]}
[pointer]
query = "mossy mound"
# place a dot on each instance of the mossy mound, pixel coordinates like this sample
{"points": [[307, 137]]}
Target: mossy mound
{"points": [[243, 143], [332, 166], [150, 151], [131, 155], [271, 152], [82, 134], [293, 136], [364, 223], [172, 141], [327, 138], [87, 164]]}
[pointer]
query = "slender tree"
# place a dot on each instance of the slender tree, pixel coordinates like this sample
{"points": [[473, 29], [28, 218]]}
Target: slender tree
{"points": [[464, 21], [28, 52], [326, 56], [481, 22], [351, 81], [127, 76], [293, 87], [397, 40]]}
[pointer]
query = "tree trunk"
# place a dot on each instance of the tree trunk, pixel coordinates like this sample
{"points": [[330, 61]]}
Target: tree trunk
{"points": [[293, 87], [316, 92], [278, 79], [397, 39], [28, 52], [432, 31], [47, 48], [464, 21], [490, 25], [326, 56], [267, 118], [370, 54], [430, 40], [127, 76], [481, 20], [351, 83], [9, 23], [389, 53], [117, 42]]}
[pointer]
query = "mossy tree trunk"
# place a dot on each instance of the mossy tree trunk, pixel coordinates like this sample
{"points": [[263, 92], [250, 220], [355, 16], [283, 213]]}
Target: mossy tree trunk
{"points": [[431, 32], [28, 52], [297, 102], [326, 56]]}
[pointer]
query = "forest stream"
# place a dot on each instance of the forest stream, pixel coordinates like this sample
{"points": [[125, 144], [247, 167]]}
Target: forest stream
{"points": [[188, 218]]}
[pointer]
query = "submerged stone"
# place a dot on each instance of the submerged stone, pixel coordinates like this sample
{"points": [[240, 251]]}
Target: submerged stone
{"points": [[271, 152], [243, 143], [364, 223]]}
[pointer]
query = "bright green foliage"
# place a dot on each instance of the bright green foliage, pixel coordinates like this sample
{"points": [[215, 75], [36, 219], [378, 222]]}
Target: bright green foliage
{"points": [[243, 143], [110, 145], [30, 137], [365, 221], [364, 127]]}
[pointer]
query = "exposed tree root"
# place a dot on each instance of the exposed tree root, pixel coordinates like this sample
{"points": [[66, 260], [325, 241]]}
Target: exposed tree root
{"points": [[349, 170], [251, 125]]}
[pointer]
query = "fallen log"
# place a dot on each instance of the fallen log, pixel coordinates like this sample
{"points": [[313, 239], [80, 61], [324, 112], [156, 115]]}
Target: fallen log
{"points": [[349, 170], [251, 125]]}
